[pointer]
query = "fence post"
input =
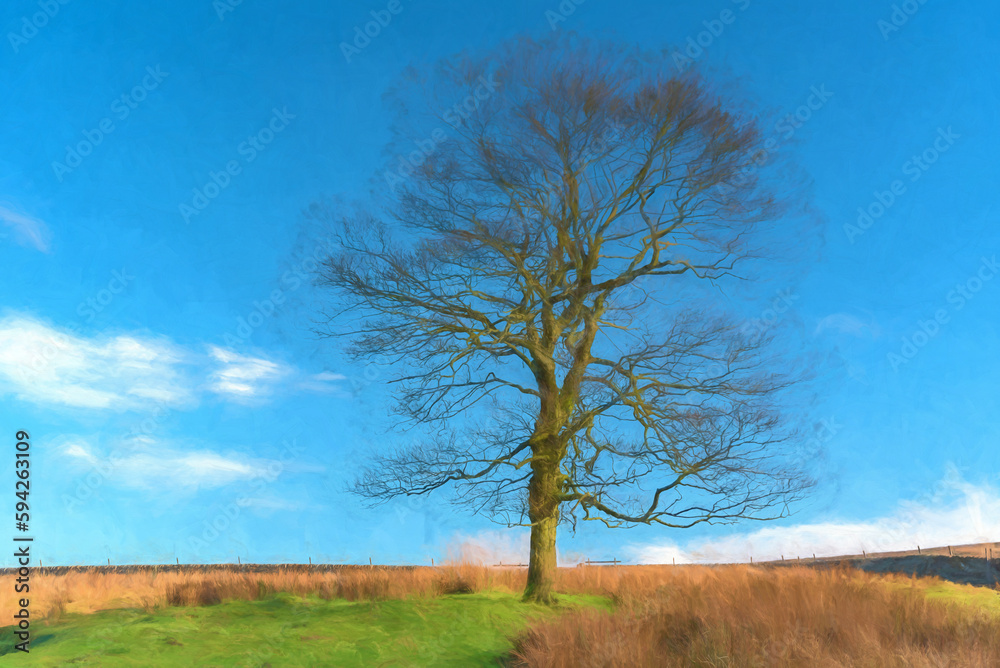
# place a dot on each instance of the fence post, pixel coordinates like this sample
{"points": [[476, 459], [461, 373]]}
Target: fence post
{"points": [[949, 551], [918, 549]]}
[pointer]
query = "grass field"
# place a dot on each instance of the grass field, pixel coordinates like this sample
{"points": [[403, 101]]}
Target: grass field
{"points": [[288, 630], [796, 616], [472, 616]]}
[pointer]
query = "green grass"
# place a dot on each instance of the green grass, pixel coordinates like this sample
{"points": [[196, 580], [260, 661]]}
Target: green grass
{"points": [[978, 597], [458, 630], [982, 598]]}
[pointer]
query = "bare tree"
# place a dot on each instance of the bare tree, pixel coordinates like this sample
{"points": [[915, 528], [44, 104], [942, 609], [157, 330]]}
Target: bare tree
{"points": [[510, 278]]}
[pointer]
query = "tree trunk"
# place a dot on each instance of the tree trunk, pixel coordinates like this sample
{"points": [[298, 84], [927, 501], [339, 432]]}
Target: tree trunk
{"points": [[543, 511]]}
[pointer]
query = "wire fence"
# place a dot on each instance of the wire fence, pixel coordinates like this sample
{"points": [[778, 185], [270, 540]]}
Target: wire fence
{"points": [[990, 552]]}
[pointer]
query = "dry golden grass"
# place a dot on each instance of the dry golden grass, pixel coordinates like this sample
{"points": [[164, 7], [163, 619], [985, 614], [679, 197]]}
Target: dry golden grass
{"points": [[664, 616], [92, 590], [741, 616]]}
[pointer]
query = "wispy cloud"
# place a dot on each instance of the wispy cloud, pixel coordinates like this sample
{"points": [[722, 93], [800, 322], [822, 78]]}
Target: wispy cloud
{"points": [[326, 382], [955, 512], [153, 466], [490, 547], [852, 325], [328, 376], [53, 366], [27, 231], [244, 377], [270, 505], [46, 365], [78, 450]]}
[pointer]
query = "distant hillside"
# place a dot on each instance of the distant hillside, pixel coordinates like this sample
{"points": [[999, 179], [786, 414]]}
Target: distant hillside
{"points": [[975, 564], [963, 570]]}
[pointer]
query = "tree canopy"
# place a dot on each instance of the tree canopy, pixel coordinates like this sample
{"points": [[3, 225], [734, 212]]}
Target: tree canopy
{"points": [[510, 273]]}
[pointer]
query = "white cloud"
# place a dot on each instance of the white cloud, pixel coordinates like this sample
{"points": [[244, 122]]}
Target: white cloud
{"points": [[197, 469], [46, 365], [28, 231], [53, 366], [79, 451], [489, 547], [270, 505], [150, 465], [509, 546], [328, 376], [326, 382], [244, 377], [953, 513], [845, 323]]}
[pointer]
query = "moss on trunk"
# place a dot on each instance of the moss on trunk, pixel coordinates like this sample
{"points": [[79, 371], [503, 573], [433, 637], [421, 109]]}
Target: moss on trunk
{"points": [[543, 511]]}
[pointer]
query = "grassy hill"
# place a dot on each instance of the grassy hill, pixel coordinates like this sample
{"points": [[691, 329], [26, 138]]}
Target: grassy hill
{"points": [[661, 616]]}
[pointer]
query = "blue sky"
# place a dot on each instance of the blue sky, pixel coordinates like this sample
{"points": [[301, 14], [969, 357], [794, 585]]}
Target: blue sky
{"points": [[156, 308]]}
